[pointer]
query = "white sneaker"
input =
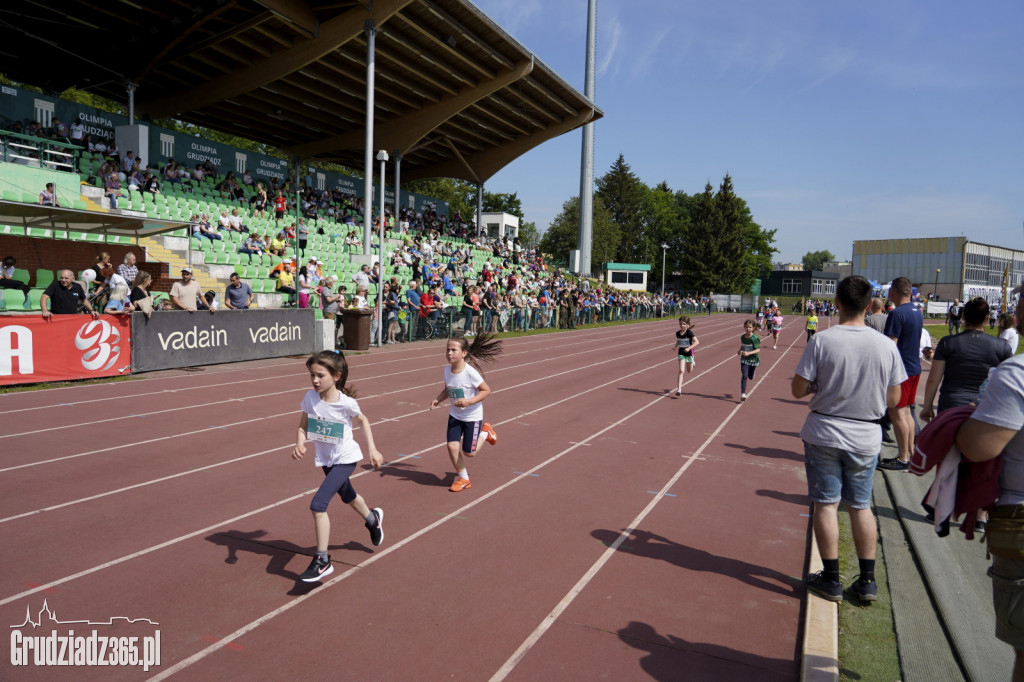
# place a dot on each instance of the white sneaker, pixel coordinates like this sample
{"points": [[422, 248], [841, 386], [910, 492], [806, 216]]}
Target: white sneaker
{"points": [[743, 397]]}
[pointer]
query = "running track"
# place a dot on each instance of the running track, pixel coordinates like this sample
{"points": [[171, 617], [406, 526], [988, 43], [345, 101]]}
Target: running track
{"points": [[616, 531]]}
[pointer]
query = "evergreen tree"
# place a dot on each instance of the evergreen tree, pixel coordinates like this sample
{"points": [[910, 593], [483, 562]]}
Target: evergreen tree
{"points": [[560, 237], [704, 262], [628, 202]]}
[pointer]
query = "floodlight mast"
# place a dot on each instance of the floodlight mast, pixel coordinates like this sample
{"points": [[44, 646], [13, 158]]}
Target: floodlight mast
{"points": [[585, 233]]}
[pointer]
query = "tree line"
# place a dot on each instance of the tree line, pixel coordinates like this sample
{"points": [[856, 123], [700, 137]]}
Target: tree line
{"points": [[713, 243]]}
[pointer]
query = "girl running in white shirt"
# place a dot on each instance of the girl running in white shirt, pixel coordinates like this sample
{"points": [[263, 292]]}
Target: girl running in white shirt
{"points": [[466, 389], [327, 415]]}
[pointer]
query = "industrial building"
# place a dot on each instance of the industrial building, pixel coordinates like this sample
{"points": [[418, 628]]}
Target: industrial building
{"points": [[950, 267]]}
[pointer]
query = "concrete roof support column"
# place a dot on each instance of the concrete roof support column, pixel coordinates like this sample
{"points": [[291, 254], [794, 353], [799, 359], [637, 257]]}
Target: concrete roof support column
{"points": [[479, 209], [371, 44]]}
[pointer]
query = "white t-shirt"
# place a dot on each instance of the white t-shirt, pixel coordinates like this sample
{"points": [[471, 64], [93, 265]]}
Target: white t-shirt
{"points": [[1012, 337], [854, 367], [465, 384], [332, 415]]}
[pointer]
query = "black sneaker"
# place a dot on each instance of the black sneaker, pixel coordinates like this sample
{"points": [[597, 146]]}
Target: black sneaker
{"points": [[318, 568], [832, 590], [894, 464], [376, 531], [865, 590]]}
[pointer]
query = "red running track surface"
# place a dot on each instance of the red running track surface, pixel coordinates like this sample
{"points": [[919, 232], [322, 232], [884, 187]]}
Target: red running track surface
{"points": [[616, 530]]}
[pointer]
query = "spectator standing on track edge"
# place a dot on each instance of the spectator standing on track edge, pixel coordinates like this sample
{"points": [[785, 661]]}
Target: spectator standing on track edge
{"points": [[995, 429], [852, 376], [954, 315], [904, 326]]}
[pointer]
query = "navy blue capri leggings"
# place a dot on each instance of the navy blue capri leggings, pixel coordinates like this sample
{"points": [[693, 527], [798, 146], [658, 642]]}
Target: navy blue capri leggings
{"points": [[467, 432], [335, 481]]}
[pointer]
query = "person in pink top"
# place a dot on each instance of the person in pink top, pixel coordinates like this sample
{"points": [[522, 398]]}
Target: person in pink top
{"points": [[776, 324]]}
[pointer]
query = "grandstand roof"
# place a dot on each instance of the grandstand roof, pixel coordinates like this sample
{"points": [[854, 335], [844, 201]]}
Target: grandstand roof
{"points": [[74, 220], [455, 94]]}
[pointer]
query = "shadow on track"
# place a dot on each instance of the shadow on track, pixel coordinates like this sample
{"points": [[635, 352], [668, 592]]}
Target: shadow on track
{"points": [[646, 544], [410, 473], [800, 499], [280, 552], [771, 453], [669, 655]]}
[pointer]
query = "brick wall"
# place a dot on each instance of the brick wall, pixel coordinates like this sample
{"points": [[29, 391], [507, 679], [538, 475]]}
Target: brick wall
{"points": [[56, 254]]}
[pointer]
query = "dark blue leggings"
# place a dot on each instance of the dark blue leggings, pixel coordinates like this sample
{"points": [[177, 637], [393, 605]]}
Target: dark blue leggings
{"points": [[746, 372], [335, 481]]}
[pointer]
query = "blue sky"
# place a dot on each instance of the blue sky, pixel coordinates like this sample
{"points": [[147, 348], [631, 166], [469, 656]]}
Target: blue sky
{"points": [[866, 120]]}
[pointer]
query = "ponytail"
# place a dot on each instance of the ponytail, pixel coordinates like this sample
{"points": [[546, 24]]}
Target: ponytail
{"points": [[484, 348]]}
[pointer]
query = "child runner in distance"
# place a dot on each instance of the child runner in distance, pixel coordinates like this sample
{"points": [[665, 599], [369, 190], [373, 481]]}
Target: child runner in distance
{"points": [[812, 323], [327, 415], [750, 356], [685, 343], [760, 318], [776, 327], [465, 388]]}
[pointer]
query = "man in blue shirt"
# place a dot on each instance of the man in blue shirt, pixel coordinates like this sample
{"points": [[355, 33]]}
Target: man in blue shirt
{"points": [[412, 295], [904, 326]]}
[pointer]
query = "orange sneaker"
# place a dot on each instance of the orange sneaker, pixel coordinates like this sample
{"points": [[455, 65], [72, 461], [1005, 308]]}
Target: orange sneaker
{"points": [[492, 436], [460, 484]]}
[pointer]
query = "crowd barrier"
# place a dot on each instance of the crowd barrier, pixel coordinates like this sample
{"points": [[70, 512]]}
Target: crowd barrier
{"points": [[63, 347], [172, 339]]}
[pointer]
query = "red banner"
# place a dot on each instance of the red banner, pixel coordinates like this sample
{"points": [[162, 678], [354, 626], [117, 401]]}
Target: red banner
{"points": [[34, 350]]}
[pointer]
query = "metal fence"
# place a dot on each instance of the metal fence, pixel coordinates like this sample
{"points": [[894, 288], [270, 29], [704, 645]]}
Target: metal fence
{"points": [[454, 321]]}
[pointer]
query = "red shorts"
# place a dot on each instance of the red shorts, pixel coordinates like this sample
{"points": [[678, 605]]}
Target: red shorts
{"points": [[908, 391]]}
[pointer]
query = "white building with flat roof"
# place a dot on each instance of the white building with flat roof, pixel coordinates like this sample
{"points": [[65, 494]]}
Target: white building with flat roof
{"points": [[497, 225]]}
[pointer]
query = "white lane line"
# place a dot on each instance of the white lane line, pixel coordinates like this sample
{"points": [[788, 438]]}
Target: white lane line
{"points": [[249, 397], [203, 653], [290, 375], [581, 584], [292, 413], [187, 536]]}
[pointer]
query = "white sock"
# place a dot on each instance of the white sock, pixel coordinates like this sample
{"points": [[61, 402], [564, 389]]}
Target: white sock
{"points": [[463, 474]]}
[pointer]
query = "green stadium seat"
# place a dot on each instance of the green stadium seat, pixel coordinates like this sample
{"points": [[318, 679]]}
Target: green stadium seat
{"points": [[39, 233], [29, 198], [14, 299], [13, 230], [34, 295]]}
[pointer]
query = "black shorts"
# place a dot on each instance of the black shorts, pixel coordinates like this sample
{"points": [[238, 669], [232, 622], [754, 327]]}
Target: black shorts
{"points": [[466, 432]]}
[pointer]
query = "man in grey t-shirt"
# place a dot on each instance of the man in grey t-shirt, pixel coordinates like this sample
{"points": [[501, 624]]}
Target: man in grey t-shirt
{"points": [[853, 374], [238, 294], [876, 316]]}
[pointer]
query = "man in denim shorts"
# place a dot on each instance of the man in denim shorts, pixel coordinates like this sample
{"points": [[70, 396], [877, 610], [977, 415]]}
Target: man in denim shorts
{"points": [[852, 374], [997, 427]]}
